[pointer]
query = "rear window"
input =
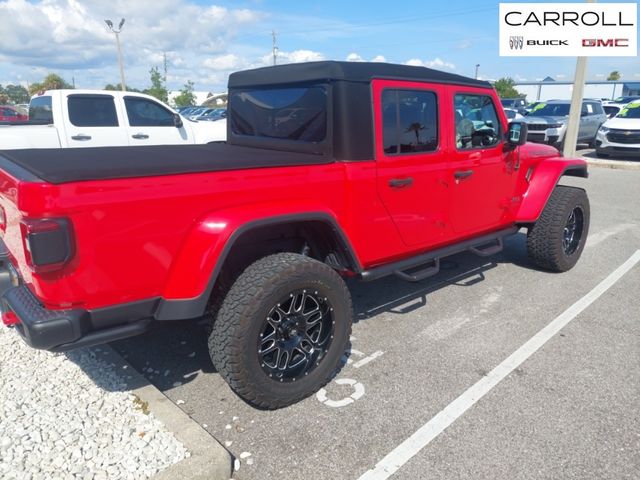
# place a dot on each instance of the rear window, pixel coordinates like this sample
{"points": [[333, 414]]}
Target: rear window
{"points": [[294, 114], [40, 110], [92, 111]]}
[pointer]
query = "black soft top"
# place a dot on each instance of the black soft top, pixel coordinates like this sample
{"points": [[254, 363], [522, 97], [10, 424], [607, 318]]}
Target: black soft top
{"points": [[362, 72]]}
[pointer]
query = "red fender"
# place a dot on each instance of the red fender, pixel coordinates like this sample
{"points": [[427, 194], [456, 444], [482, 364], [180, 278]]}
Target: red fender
{"points": [[193, 266], [544, 179]]}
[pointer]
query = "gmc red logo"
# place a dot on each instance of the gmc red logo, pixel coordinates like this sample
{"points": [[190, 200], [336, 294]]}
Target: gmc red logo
{"points": [[609, 42]]}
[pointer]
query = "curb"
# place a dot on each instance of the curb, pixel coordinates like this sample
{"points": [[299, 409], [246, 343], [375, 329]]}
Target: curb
{"points": [[616, 164], [208, 461]]}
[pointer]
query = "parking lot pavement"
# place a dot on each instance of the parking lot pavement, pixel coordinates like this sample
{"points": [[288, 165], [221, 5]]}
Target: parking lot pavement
{"points": [[568, 411], [589, 154]]}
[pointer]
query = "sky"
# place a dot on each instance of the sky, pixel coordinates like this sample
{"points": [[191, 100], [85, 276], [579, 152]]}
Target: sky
{"points": [[206, 40]]}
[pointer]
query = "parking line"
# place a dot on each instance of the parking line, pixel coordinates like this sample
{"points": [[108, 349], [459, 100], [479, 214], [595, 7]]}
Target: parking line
{"points": [[434, 427]]}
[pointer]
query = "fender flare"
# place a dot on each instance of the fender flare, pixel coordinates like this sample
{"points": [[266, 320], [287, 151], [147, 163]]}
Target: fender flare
{"points": [[185, 308], [545, 178]]}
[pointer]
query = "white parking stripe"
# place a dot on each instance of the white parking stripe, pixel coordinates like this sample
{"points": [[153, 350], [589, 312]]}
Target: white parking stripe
{"points": [[434, 427]]}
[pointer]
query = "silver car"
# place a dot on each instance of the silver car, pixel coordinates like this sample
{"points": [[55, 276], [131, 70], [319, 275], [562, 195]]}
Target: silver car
{"points": [[547, 122]]}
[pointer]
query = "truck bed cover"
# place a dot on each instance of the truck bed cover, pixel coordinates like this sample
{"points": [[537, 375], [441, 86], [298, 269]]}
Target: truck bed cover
{"points": [[59, 166]]}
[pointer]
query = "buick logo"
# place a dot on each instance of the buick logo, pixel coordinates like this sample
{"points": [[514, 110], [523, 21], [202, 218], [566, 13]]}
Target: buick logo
{"points": [[515, 43]]}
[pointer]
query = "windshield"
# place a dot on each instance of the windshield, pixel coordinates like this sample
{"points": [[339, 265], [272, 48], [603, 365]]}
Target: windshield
{"points": [[630, 111], [296, 113], [625, 99], [550, 110], [610, 110], [507, 103]]}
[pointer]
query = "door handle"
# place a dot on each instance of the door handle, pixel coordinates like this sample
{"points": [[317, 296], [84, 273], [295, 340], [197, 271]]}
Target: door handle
{"points": [[463, 174], [400, 182], [81, 137], [140, 136]]}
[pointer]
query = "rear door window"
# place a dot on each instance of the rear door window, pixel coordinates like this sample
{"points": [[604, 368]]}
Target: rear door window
{"points": [[410, 121], [597, 108], [92, 111]]}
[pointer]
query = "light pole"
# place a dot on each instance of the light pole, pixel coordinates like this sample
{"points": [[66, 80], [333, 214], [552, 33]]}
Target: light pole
{"points": [[477, 66], [117, 34]]}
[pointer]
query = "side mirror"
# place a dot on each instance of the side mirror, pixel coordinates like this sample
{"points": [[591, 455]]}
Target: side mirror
{"points": [[177, 120], [517, 134]]}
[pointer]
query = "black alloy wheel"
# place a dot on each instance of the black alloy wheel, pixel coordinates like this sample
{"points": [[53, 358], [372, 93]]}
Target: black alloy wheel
{"points": [[572, 233], [296, 335]]}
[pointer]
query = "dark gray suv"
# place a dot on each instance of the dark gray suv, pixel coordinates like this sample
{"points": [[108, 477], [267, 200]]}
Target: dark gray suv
{"points": [[548, 122]]}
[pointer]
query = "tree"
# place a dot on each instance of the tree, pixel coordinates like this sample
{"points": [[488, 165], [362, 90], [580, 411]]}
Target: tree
{"points": [[116, 87], [506, 88], [14, 94], [186, 98], [615, 75], [158, 88], [51, 82], [17, 94]]}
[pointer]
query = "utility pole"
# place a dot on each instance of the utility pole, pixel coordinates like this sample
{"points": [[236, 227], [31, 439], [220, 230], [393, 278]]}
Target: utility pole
{"points": [[477, 66], [274, 46], [164, 55], [117, 33], [571, 136]]}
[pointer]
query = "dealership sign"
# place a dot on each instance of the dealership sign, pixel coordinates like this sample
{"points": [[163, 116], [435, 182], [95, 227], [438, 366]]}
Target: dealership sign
{"points": [[568, 29]]}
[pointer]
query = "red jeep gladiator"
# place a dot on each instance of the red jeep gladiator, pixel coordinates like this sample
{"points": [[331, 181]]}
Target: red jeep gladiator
{"points": [[330, 170]]}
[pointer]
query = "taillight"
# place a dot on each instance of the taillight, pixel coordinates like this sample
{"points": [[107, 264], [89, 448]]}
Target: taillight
{"points": [[10, 319], [3, 220], [48, 243]]}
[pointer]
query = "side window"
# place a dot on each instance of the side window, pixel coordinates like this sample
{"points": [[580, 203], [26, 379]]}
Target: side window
{"points": [[147, 113], [40, 110], [597, 108], [589, 108], [92, 111], [409, 121], [476, 122]]}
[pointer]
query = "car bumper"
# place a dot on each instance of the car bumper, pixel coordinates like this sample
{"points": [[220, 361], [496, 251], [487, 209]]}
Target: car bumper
{"points": [[550, 137], [54, 330], [604, 145]]}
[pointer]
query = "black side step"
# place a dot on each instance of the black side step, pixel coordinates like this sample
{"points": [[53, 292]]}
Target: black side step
{"points": [[483, 246], [420, 274], [488, 250]]}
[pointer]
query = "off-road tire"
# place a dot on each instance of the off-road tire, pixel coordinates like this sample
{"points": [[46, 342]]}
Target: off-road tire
{"points": [[233, 343], [545, 237]]}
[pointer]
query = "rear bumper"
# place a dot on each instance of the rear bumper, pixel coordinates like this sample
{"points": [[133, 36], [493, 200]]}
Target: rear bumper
{"points": [[60, 330]]}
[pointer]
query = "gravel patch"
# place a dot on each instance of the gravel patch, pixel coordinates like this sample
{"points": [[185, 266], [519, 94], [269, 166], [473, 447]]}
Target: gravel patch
{"points": [[71, 416]]}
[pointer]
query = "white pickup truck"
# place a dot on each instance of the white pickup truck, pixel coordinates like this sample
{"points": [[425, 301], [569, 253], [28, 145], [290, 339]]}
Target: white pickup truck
{"points": [[99, 118]]}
